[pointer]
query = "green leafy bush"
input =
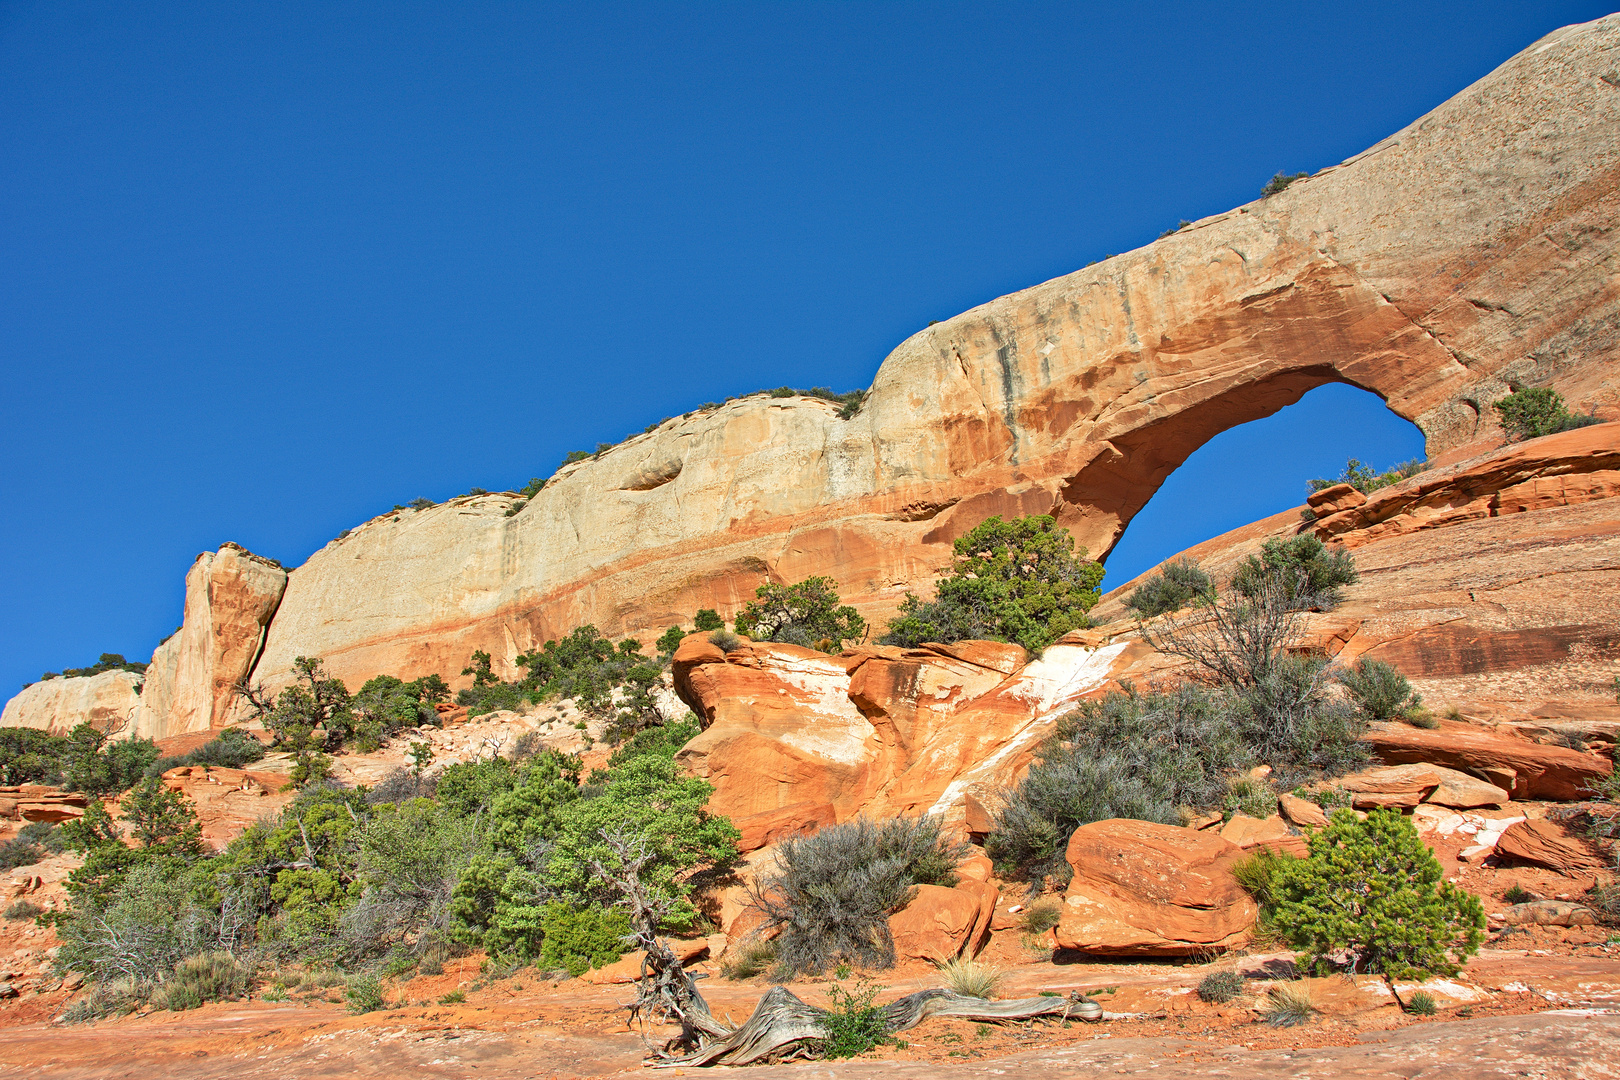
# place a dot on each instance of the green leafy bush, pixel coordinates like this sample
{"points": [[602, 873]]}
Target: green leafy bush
{"points": [[1374, 891], [580, 939], [29, 756], [853, 1024], [1219, 987], [365, 994], [1313, 572], [1529, 413], [829, 895], [669, 641], [708, 619], [1379, 690], [1180, 583], [807, 613], [1020, 580], [1422, 1003], [108, 662]]}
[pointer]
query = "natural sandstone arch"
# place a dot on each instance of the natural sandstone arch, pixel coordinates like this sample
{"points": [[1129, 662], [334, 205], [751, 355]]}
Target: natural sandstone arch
{"points": [[1474, 247]]}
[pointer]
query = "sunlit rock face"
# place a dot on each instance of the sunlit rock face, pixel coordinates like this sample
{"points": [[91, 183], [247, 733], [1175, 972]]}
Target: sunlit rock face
{"points": [[1473, 248], [794, 739], [231, 596], [107, 700]]}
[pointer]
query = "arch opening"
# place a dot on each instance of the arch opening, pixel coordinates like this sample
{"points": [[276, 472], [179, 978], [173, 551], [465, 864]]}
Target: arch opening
{"points": [[1253, 470]]}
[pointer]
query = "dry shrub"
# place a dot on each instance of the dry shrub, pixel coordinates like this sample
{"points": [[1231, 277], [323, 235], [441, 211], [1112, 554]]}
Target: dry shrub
{"points": [[197, 980], [971, 978]]}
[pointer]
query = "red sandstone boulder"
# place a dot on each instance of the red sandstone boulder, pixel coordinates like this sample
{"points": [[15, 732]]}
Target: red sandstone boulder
{"points": [[1542, 843], [1143, 889], [988, 896], [1271, 833], [1534, 770], [938, 923], [1331, 500], [1302, 812]]}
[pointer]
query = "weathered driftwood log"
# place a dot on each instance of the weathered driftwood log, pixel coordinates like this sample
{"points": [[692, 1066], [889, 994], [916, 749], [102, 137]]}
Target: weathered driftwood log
{"points": [[781, 1020]]}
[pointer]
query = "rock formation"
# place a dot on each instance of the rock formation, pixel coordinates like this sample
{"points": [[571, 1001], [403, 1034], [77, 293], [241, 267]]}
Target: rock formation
{"points": [[109, 701], [794, 739], [1473, 248], [231, 595], [1141, 889]]}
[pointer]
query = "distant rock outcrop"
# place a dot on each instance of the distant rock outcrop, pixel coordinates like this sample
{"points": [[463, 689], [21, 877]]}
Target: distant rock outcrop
{"points": [[108, 700]]}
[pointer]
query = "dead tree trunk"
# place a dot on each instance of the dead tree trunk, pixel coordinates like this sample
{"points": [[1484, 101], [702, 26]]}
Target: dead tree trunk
{"points": [[781, 1020]]}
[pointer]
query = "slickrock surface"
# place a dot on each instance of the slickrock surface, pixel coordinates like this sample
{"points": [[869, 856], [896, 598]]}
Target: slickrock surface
{"points": [[1474, 247]]}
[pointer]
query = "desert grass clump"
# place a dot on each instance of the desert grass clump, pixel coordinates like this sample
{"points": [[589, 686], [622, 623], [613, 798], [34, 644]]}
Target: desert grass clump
{"points": [[1422, 1004], [753, 957], [1287, 1004], [725, 640], [830, 894], [1040, 917], [1257, 874], [971, 978], [1219, 987], [1419, 717], [1517, 894], [113, 997], [19, 910]]}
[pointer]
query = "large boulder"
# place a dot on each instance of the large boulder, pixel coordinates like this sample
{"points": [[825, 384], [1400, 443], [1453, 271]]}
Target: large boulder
{"points": [[1542, 843], [938, 923], [1143, 889], [1405, 786]]}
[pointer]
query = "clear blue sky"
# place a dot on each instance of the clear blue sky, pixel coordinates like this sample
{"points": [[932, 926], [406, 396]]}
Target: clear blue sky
{"points": [[268, 269]]}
